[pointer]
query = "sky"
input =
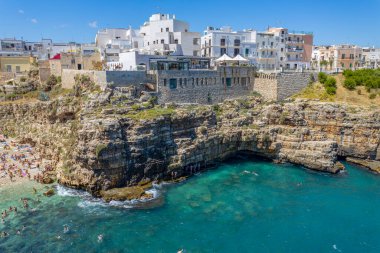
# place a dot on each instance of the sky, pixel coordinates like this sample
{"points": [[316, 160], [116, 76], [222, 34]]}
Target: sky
{"points": [[331, 21]]}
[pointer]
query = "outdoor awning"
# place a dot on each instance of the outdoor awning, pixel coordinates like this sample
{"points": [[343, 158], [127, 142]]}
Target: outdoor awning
{"points": [[224, 58], [240, 58]]}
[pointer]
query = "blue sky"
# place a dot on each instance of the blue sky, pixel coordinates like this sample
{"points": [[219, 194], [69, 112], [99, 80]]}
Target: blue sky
{"points": [[332, 22]]}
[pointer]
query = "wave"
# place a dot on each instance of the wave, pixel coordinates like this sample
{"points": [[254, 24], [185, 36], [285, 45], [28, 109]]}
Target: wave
{"points": [[69, 192], [88, 201]]}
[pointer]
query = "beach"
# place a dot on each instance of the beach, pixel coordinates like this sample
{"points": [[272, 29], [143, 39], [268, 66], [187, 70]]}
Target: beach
{"points": [[19, 162]]}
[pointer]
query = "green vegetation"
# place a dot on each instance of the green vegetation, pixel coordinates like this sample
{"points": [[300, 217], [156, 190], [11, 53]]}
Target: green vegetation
{"points": [[372, 96], [150, 113], [369, 78], [322, 77], [255, 94], [99, 149], [217, 109], [349, 84], [330, 85]]}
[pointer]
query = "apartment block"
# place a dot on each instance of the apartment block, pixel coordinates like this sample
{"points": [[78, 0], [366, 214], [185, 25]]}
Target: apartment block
{"points": [[219, 41]]}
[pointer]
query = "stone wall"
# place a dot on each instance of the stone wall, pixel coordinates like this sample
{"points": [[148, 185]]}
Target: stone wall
{"points": [[104, 78], [204, 86], [289, 84], [125, 78], [68, 75], [266, 85], [279, 86]]}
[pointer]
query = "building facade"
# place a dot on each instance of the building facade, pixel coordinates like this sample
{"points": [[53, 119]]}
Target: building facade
{"points": [[337, 58], [371, 58], [219, 41], [165, 35]]}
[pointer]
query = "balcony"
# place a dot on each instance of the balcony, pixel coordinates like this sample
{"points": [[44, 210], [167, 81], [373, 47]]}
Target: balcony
{"points": [[263, 48], [293, 59], [292, 42], [295, 50]]}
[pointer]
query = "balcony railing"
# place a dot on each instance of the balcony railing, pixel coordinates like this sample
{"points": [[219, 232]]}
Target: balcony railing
{"points": [[295, 50], [295, 41]]}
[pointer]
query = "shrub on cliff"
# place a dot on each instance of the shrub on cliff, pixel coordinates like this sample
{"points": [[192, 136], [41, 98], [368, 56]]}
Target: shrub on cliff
{"points": [[330, 85], [349, 83], [51, 82], [322, 77], [372, 96]]}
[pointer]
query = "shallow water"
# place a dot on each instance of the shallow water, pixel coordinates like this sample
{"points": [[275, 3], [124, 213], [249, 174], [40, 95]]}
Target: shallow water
{"points": [[242, 206]]}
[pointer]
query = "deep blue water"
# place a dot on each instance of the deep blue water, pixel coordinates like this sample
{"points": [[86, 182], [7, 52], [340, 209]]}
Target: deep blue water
{"points": [[242, 206]]}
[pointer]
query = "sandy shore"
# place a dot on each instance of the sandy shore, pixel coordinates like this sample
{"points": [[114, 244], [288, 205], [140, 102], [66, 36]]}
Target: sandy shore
{"points": [[18, 162]]}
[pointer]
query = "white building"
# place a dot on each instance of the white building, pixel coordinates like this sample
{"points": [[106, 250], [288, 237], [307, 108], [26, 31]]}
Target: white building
{"points": [[164, 34], [220, 41], [113, 41], [371, 58]]}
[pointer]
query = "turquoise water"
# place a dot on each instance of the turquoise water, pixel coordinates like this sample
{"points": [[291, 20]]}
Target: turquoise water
{"points": [[242, 206]]}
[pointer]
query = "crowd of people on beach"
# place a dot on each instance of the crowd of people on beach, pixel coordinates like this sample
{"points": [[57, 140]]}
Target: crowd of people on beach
{"points": [[17, 160]]}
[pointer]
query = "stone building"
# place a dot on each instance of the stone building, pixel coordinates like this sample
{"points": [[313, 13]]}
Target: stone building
{"points": [[177, 81], [16, 64]]}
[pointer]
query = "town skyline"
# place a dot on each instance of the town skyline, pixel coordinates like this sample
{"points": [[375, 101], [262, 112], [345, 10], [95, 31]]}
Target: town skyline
{"points": [[39, 20]]}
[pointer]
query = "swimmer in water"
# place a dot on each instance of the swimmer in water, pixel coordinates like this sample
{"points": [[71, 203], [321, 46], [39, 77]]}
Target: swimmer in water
{"points": [[100, 238], [65, 229]]}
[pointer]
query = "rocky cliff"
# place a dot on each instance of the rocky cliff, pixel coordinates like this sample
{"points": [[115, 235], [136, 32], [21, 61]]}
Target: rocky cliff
{"points": [[107, 140]]}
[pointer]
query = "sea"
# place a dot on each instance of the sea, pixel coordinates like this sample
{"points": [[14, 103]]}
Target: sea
{"points": [[243, 205]]}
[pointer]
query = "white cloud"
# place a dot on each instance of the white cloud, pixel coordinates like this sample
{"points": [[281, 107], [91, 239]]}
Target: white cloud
{"points": [[21, 11], [34, 21], [93, 24]]}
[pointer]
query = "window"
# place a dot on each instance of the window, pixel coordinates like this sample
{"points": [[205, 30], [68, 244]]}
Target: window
{"points": [[180, 81], [173, 83], [237, 43], [162, 41], [162, 29], [176, 41], [195, 41], [165, 82], [246, 51], [263, 43], [222, 42], [282, 49], [236, 51], [228, 82], [243, 80], [197, 81], [223, 51], [167, 29], [282, 40], [343, 56], [79, 66], [271, 44]]}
